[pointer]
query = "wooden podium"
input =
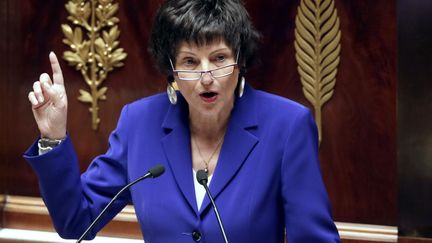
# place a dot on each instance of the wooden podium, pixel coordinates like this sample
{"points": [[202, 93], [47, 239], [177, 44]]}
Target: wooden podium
{"points": [[28, 217]]}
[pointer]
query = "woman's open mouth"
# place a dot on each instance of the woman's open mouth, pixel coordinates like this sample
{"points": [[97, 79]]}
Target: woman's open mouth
{"points": [[209, 96]]}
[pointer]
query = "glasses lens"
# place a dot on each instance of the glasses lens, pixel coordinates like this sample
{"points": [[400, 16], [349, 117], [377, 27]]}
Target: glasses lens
{"points": [[188, 75], [221, 72], [217, 73]]}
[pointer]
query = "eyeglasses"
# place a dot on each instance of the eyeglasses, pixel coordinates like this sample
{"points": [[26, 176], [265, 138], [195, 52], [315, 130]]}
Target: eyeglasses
{"points": [[194, 75]]}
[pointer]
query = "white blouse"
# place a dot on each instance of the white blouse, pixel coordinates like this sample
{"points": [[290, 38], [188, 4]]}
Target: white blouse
{"points": [[199, 189]]}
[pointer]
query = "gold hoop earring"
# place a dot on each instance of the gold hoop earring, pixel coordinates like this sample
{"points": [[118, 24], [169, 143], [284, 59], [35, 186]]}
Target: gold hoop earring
{"points": [[241, 87], [172, 95]]}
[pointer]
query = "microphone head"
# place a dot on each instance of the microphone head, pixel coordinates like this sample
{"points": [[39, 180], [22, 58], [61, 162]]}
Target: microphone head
{"points": [[202, 177], [157, 170]]}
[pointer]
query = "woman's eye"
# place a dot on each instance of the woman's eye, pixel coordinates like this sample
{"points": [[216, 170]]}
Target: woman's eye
{"points": [[220, 58], [189, 62]]}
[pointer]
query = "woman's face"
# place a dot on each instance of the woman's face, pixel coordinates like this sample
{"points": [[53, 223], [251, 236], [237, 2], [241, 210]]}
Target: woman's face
{"points": [[207, 96]]}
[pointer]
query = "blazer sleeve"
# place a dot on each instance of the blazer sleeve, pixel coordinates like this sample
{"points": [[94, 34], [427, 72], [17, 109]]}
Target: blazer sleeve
{"points": [[74, 201], [306, 204]]}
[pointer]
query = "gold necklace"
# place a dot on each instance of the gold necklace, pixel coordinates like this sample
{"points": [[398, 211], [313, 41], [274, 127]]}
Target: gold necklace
{"points": [[207, 162]]}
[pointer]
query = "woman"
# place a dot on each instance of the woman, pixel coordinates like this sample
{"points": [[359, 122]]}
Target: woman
{"points": [[260, 150]]}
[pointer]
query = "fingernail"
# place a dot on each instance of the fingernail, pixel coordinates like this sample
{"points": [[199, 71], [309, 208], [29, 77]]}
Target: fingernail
{"points": [[44, 78], [41, 99]]}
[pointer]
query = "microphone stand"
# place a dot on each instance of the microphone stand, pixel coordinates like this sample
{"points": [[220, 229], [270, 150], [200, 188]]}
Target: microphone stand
{"points": [[153, 172], [202, 178]]}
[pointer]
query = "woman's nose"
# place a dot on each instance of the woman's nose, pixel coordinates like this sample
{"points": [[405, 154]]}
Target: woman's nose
{"points": [[206, 79]]}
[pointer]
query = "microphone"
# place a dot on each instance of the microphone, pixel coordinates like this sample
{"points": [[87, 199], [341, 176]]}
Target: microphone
{"points": [[154, 172], [202, 179]]}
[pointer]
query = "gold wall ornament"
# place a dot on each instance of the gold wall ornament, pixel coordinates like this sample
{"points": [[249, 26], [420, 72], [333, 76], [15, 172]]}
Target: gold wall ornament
{"points": [[96, 55], [317, 45]]}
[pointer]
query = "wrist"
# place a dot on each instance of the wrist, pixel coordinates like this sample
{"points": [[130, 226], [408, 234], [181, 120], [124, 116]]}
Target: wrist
{"points": [[54, 136], [47, 144]]}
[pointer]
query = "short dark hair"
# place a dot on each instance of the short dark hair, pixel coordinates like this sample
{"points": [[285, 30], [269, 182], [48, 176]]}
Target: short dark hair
{"points": [[201, 22]]}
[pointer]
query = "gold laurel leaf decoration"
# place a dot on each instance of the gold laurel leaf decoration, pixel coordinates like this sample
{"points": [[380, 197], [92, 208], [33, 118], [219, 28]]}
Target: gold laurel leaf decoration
{"points": [[97, 55], [317, 46]]}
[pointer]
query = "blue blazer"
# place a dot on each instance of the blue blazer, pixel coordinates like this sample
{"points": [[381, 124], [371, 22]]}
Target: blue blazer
{"points": [[267, 183]]}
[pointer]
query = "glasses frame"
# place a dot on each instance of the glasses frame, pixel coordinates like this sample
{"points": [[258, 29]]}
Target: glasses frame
{"points": [[202, 72]]}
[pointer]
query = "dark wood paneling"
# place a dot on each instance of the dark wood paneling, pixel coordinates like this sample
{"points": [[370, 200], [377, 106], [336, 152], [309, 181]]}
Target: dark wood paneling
{"points": [[415, 117], [413, 240], [39, 30], [3, 48], [2, 206], [358, 154], [359, 151]]}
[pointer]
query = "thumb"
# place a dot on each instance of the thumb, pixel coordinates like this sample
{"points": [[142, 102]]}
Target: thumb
{"points": [[56, 69]]}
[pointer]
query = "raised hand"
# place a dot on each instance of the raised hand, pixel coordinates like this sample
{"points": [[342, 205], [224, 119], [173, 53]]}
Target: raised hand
{"points": [[49, 102]]}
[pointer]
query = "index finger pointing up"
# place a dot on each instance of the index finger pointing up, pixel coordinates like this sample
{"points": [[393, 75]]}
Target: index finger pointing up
{"points": [[55, 66]]}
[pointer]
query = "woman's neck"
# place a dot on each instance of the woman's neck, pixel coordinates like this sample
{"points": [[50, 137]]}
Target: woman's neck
{"points": [[208, 127]]}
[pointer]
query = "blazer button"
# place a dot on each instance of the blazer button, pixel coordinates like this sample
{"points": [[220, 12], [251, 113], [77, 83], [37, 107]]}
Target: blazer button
{"points": [[196, 235]]}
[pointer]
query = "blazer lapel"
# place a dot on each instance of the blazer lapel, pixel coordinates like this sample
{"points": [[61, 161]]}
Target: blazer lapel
{"points": [[238, 144], [176, 145]]}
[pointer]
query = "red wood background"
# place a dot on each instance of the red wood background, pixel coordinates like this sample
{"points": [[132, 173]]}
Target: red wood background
{"points": [[358, 152]]}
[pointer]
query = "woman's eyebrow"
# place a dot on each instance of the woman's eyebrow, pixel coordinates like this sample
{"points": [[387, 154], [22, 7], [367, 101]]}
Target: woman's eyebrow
{"points": [[187, 52], [218, 50]]}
